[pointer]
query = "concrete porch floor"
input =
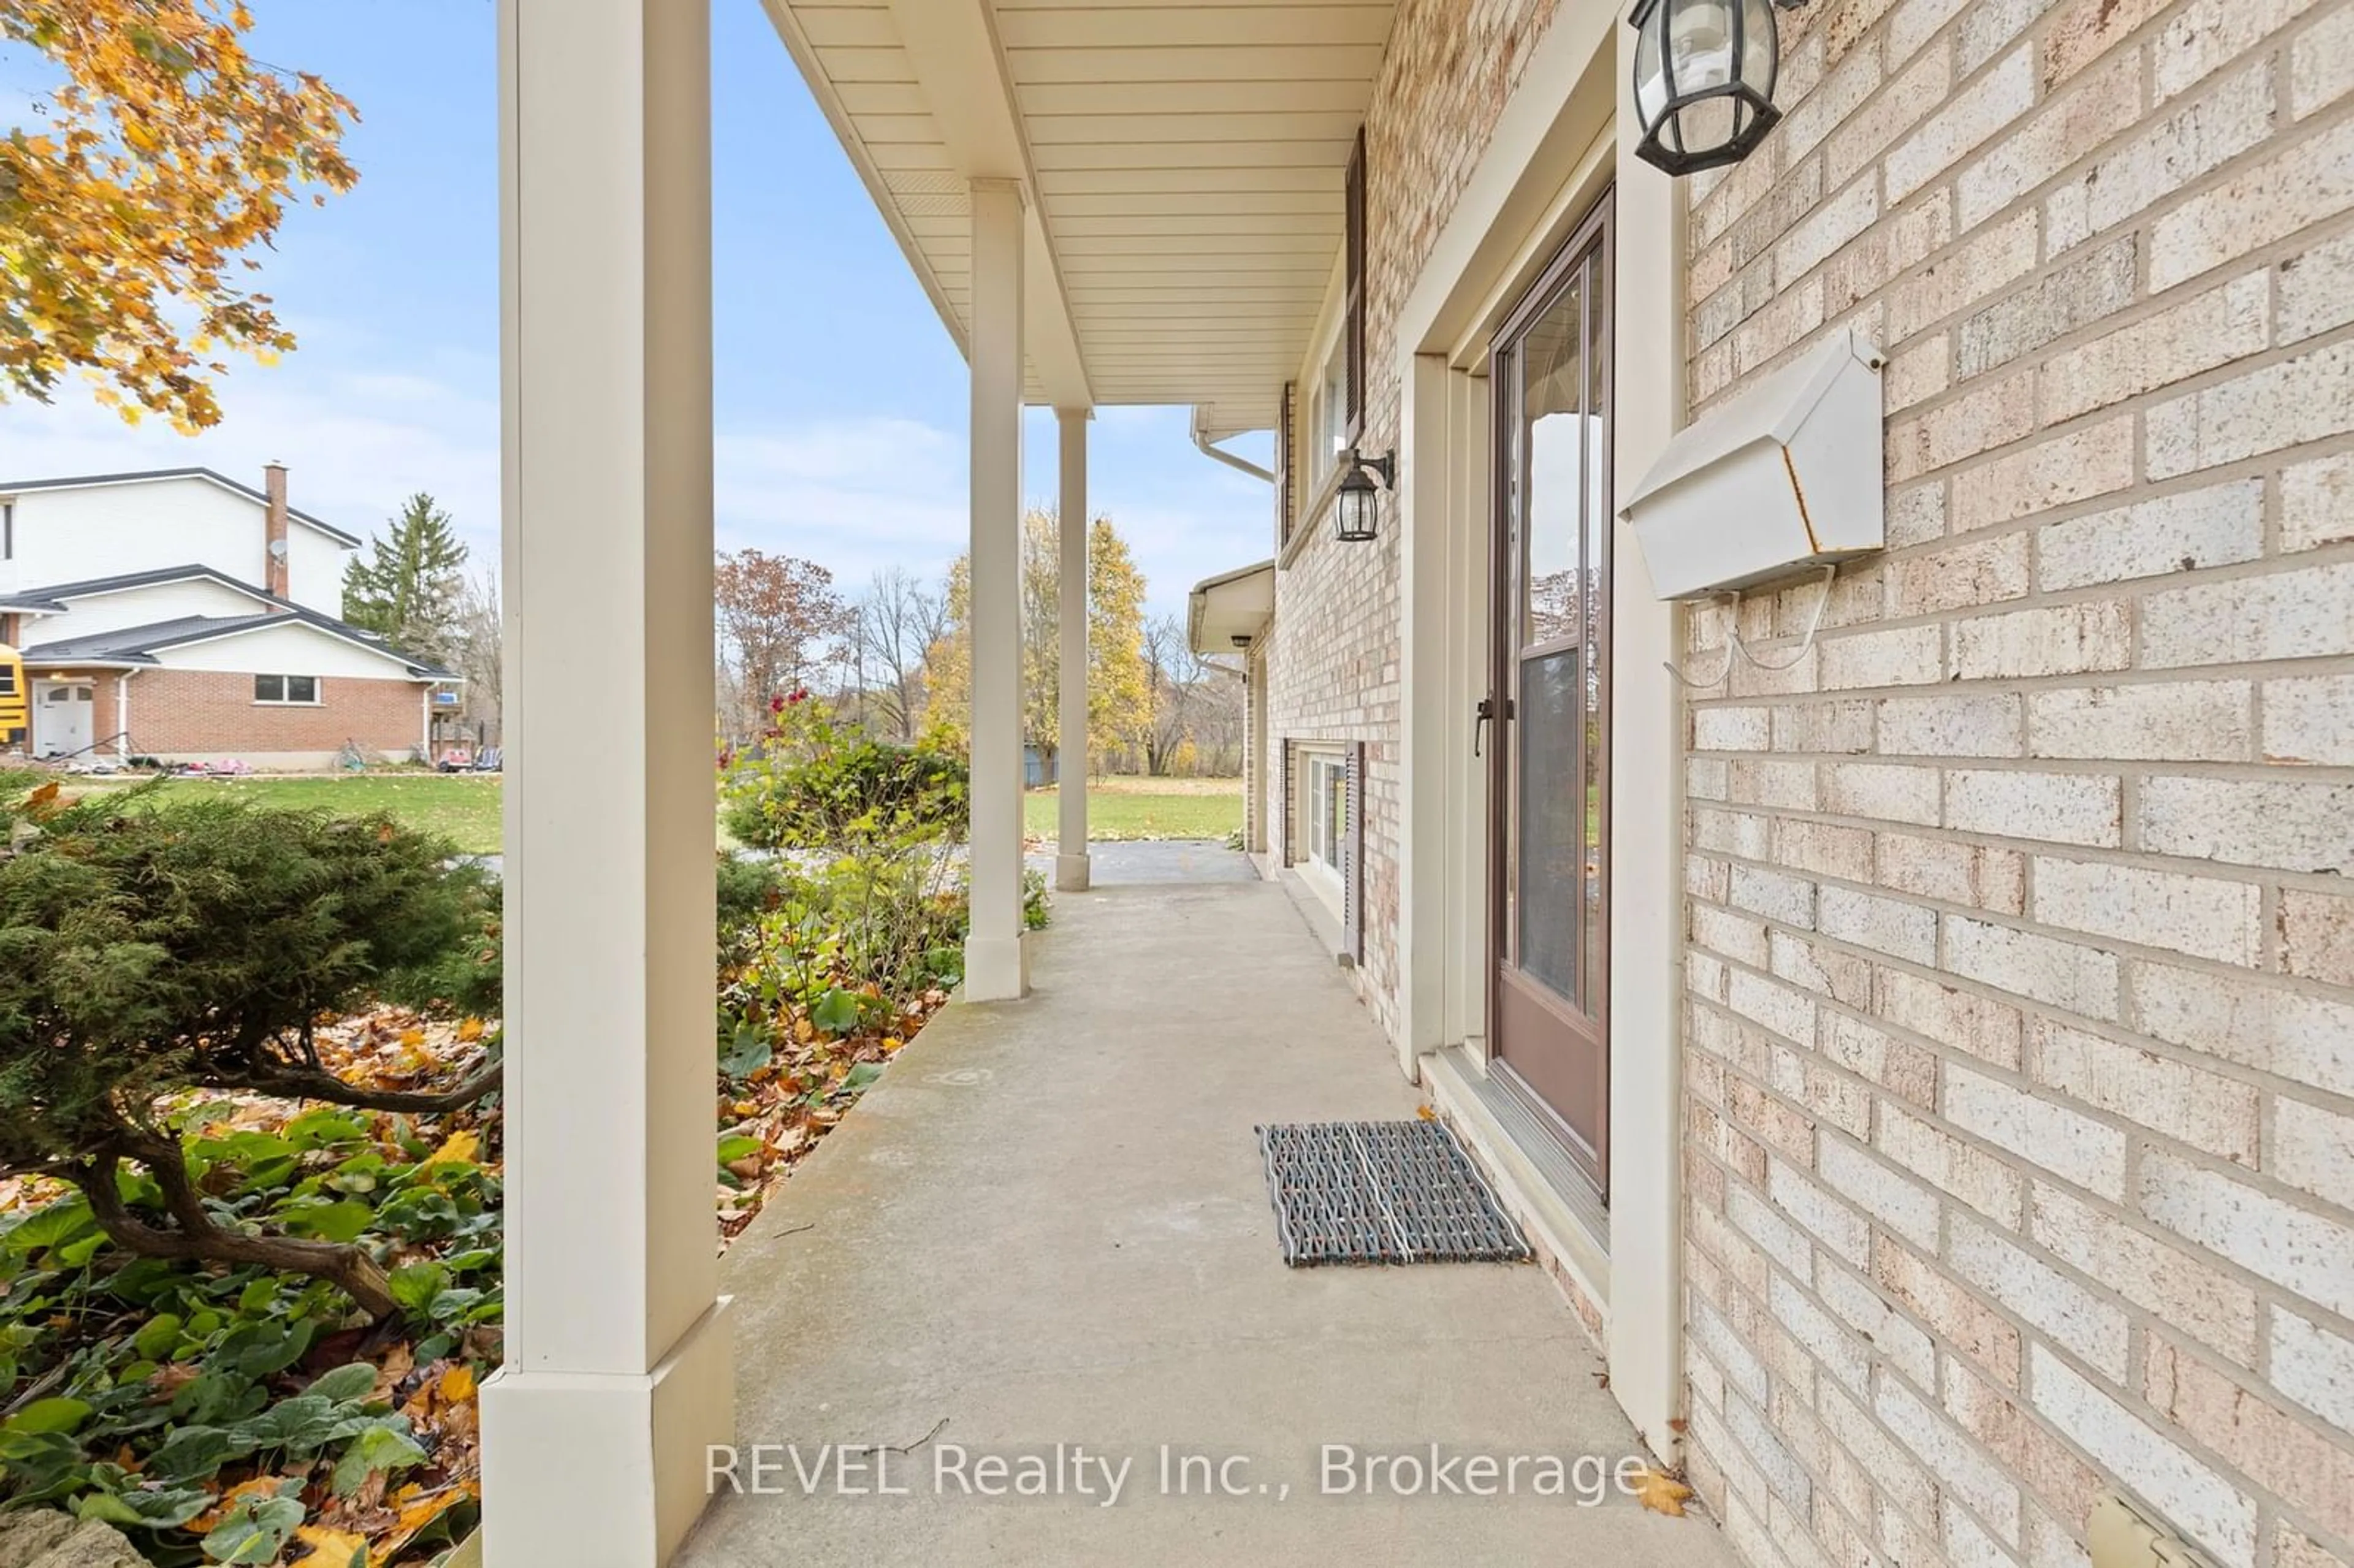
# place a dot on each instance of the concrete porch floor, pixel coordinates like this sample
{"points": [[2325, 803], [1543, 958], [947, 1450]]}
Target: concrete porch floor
{"points": [[1047, 1224]]}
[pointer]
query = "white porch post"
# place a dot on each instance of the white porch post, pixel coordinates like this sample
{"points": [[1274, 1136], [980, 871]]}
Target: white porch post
{"points": [[1071, 861], [617, 1374], [995, 967]]}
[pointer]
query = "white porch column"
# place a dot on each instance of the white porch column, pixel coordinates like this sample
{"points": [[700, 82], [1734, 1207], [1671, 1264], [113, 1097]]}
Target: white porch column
{"points": [[617, 1375], [995, 967], [1071, 861]]}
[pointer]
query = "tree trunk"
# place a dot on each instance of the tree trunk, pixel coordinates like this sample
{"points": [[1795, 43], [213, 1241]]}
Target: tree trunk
{"points": [[194, 1237], [312, 1084]]}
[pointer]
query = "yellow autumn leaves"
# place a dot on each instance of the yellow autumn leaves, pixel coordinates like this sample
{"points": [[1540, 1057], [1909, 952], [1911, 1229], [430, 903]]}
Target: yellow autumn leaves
{"points": [[170, 152]]}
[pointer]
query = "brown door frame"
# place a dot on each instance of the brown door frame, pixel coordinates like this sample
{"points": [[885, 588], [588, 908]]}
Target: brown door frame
{"points": [[1593, 234]]}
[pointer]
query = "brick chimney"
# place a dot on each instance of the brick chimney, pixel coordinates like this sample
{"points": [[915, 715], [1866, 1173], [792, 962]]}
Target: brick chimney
{"points": [[274, 577]]}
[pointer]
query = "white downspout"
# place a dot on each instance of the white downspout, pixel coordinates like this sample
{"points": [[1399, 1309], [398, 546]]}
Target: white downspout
{"points": [[1202, 441], [122, 716]]}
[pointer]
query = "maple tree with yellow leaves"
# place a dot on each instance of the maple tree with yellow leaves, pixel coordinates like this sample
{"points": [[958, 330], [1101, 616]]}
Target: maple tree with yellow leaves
{"points": [[126, 224]]}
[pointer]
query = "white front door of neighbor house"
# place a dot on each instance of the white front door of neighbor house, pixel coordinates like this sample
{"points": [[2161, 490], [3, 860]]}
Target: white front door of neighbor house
{"points": [[62, 717]]}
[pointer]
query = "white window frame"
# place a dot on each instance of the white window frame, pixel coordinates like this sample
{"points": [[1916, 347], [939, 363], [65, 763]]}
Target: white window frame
{"points": [[1328, 412], [285, 686], [1319, 413], [1321, 824]]}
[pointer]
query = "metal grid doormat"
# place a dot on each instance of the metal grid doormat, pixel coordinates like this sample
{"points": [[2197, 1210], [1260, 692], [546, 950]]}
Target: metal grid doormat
{"points": [[1382, 1191]]}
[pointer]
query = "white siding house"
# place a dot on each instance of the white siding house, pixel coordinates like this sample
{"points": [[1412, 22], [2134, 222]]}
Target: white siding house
{"points": [[183, 616], [74, 529]]}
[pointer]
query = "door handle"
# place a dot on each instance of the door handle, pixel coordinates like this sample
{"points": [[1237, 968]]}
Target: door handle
{"points": [[1484, 714]]}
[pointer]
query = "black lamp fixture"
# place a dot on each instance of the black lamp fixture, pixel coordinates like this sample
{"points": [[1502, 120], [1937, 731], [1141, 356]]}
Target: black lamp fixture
{"points": [[1358, 506], [1704, 75]]}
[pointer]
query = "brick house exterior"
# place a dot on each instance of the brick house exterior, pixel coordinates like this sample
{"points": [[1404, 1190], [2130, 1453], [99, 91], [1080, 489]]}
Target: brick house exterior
{"points": [[209, 715], [180, 615], [182, 712], [2017, 1117], [1331, 653], [1962, 971], [2021, 963]]}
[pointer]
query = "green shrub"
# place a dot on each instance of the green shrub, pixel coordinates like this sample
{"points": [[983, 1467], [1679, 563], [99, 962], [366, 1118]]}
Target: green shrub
{"points": [[815, 785], [863, 908], [749, 888], [151, 947]]}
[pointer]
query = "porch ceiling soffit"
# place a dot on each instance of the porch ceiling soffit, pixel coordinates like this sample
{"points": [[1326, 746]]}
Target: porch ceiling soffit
{"points": [[917, 93], [1184, 166]]}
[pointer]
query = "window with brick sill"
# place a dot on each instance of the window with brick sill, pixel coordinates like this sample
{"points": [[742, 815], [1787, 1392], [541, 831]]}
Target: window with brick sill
{"points": [[286, 691]]}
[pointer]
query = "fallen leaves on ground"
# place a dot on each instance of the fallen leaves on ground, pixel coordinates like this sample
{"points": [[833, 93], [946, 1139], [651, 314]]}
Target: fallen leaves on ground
{"points": [[296, 1505], [769, 1118], [1661, 1492], [331, 1548], [773, 1117]]}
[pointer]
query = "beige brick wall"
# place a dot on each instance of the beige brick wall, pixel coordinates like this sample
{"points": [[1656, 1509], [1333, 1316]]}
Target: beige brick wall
{"points": [[2021, 1039], [1334, 653]]}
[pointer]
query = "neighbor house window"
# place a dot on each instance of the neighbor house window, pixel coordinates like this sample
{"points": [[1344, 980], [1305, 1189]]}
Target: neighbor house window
{"points": [[286, 688], [7, 530]]}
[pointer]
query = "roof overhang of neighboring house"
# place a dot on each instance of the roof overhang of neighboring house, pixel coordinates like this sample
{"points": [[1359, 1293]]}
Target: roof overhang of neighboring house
{"points": [[54, 596], [413, 669], [270, 610], [1224, 610], [149, 476], [46, 667], [139, 646], [1183, 170]]}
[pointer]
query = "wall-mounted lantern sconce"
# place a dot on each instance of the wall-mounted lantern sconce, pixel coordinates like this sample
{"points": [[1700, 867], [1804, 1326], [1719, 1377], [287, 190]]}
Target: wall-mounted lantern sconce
{"points": [[1358, 506], [1704, 75]]}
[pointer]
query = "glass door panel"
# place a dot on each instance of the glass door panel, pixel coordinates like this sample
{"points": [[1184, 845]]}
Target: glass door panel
{"points": [[1550, 788]]}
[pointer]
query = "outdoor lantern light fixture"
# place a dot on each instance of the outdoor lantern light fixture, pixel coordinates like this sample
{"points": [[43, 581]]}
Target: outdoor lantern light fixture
{"points": [[1359, 502], [1704, 80]]}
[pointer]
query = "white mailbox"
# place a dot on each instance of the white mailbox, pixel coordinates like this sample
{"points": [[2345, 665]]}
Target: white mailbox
{"points": [[1783, 479]]}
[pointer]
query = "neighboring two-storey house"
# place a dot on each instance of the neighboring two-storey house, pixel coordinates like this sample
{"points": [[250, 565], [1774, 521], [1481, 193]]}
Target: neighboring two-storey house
{"points": [[180, 615]]}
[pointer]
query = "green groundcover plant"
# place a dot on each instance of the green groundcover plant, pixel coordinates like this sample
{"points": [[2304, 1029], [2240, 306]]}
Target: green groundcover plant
{"points": [[209, 1412], [153, 949], [252, 1325]]}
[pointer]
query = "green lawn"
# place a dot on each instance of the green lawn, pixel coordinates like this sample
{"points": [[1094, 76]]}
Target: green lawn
{"points": [[1146, 809], [464, 809]]}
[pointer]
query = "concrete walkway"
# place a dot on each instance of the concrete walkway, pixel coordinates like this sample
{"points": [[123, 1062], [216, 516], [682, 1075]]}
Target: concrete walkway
{"points": [[1047, 1225]]}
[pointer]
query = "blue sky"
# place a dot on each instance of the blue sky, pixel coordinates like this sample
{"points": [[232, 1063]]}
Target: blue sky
{"points": [[840, 398]]}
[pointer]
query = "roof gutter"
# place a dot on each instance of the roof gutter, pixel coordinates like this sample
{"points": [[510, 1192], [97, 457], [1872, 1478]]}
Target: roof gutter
{"points": [[54, 662], [1202, 442]]}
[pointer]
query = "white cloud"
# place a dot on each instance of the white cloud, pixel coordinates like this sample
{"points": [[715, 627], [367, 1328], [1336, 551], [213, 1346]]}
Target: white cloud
{"points": [[852, 493], [357, 444]]}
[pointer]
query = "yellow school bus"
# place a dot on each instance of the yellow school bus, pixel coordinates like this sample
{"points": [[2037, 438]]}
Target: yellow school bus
{"points": [[16, 713]]}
